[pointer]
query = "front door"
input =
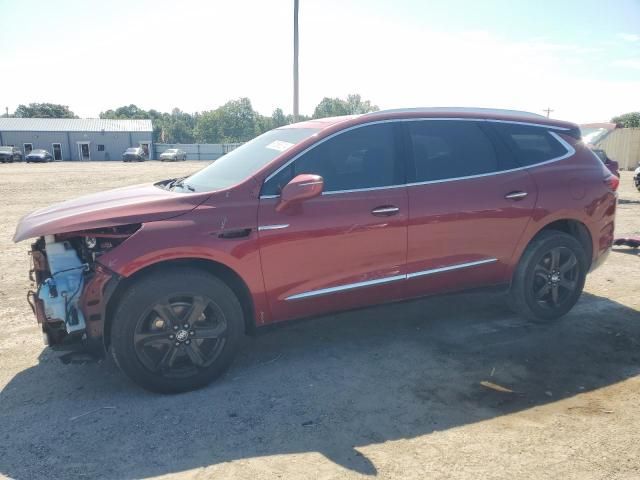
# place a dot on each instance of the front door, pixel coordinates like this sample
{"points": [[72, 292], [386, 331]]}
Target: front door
{"points": [[83, 151], [57, 151], [469, 205], [347, 247]]}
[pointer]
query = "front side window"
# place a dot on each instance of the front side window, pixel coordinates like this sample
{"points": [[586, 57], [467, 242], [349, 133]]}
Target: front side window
{"points": [[449, 149], [364, 157], [531, 145]]}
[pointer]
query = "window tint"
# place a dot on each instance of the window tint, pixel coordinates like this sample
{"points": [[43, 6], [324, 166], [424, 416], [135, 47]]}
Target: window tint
{"points": [[445, 149], [364, 157], [531, 145]]}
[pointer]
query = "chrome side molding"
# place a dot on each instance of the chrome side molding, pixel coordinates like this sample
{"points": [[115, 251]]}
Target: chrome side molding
{"points": [[394, 278], [349, 286], [450, 268]]}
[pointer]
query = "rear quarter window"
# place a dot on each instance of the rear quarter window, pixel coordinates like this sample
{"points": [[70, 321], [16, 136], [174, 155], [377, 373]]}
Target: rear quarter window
{"points": [[530, 145], [446, 149]]}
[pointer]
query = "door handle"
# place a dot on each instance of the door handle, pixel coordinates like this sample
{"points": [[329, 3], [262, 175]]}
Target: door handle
{"points": [[385, 211], [516, 195]]}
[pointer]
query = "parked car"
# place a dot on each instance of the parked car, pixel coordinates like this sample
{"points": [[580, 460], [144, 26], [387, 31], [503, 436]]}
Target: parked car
{"points": [[173, 154], [610, 163], [134, 154], [39, 155], [636, 177], [322, 216], [10, 154]]}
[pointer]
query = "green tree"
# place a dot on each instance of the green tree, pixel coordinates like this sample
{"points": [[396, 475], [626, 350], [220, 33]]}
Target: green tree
{"points": [[355, 105], [178, 127], [333, 107], [330, 107], [278, 118], [207, 129], [235, 121], [130, 111], [44, 110], [627, 120], [263, 124]]}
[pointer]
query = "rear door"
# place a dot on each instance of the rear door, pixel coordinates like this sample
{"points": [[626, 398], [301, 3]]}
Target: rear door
{"points": [[469, 204], [347, 247]]}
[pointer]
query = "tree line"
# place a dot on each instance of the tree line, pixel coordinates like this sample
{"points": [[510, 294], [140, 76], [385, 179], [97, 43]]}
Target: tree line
{"points": [[234, 122]]}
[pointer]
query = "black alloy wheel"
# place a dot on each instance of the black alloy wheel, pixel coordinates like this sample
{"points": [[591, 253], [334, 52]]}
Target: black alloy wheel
{"points": [[556, 277], [550, 276], [176, 329], [180, 335]]}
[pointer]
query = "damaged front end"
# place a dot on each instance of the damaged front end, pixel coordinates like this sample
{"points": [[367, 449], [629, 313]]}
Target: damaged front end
{"points": [[73, 288]]}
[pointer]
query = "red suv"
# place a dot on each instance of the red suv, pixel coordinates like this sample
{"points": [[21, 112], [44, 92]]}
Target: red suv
{"points": [[316, 217]]}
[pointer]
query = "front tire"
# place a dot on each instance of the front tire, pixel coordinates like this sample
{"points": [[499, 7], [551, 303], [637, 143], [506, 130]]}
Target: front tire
{"points": [[550, 277], [177, 330]]}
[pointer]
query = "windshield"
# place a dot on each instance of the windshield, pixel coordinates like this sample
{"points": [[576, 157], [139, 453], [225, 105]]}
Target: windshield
{"points": [[6, 149], [38, 151], [242, 162], [171, 150], [132, 150]]}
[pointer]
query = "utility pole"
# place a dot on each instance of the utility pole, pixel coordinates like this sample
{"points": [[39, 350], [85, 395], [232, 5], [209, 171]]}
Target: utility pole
{"points": [[296, 92], [548, 110], [7, 110]]}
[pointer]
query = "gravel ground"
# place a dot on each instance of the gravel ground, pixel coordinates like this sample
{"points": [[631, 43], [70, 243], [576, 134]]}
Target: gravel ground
{"points": [[392, 391]]}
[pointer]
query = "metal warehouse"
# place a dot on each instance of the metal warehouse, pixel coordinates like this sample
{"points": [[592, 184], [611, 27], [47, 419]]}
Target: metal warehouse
{"points": [[77, 138]]}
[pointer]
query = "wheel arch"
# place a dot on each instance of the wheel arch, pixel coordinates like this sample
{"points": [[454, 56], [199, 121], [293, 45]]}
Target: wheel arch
{"points": [[220, 270], [573, 227]]}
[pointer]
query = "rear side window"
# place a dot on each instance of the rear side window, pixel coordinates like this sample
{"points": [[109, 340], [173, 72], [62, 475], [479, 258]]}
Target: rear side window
{"points": [[531, 145], [448, 149], [364, 157]]}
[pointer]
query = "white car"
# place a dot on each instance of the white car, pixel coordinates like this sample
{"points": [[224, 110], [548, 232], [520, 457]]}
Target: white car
{"points": [[173, 155], [636, 177]]}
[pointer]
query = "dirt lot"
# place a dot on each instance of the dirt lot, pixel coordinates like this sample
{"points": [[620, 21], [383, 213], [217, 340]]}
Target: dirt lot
{"points": [[392, 391]]}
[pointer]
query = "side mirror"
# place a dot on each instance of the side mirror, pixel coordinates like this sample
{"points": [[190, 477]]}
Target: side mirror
{"points": [[303, 187]]}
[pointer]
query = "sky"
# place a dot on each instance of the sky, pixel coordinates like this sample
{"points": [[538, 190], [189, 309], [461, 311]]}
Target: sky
{"points": [[580, 58]]}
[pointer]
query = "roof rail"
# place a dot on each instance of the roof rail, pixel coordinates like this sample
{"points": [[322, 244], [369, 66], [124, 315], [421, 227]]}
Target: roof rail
{"points": [[472, 110]]}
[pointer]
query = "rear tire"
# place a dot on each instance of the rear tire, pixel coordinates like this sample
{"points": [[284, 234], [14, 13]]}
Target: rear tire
{"points": [[177, 330], [549, 278]]}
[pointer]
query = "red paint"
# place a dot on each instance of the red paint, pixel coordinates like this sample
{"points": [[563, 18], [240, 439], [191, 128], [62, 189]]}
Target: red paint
{"points": [[333, 240]]}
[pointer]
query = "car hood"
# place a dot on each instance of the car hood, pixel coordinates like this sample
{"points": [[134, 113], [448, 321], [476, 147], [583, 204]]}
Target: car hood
{"points": [[121, 206]]}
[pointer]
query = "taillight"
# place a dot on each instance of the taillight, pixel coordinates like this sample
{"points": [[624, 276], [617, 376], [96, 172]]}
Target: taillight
{"points": [[612, 182]]}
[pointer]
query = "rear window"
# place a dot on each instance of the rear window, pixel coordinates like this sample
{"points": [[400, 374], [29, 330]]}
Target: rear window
{"points": [[531, 145], [444, 150]]}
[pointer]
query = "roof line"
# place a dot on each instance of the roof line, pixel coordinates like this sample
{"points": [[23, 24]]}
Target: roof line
{"points": [[458, 110]]}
